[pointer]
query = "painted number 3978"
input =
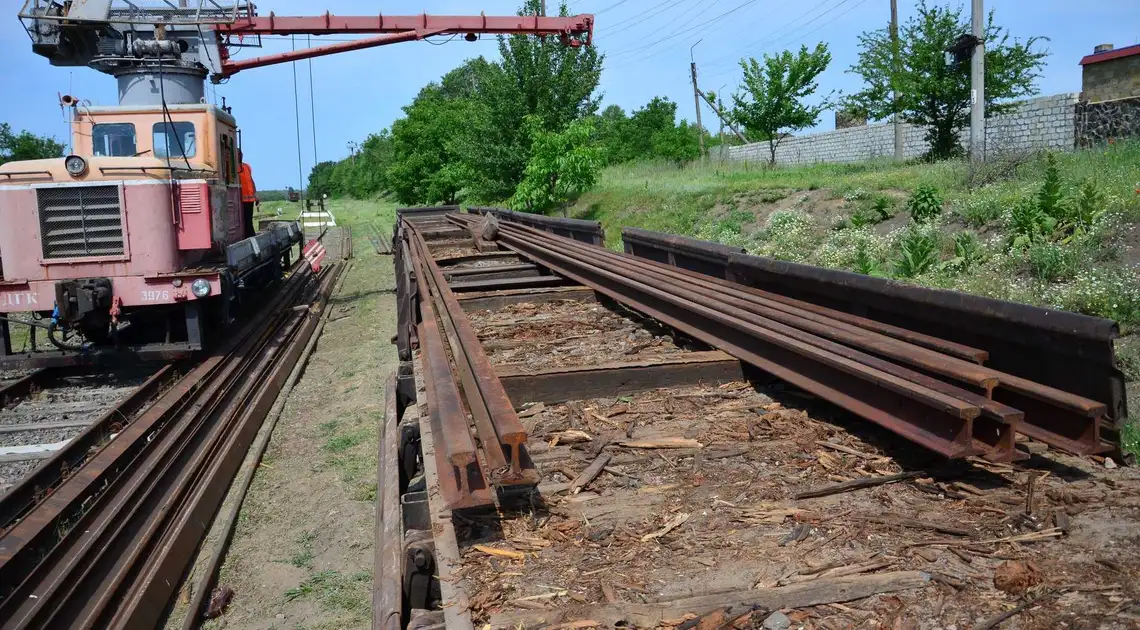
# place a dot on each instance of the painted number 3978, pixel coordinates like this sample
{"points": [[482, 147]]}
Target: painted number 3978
{"points": [[156, 296]]}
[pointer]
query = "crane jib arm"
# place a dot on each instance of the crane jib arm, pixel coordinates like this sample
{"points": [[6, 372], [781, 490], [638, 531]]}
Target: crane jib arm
{"points": [[327, 24], [575, 30]]}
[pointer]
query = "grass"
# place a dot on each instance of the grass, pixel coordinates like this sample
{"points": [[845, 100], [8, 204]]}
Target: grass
{"points": [[303, 557], [336, 592]]}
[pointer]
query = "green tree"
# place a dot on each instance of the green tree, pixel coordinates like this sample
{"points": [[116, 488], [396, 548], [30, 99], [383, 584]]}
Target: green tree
{"points": [[930, 92], [26, 145], [678, 144], [562, 164], [320, 180], [772, 101], [609, 129], [426, 165], [537, 76]]}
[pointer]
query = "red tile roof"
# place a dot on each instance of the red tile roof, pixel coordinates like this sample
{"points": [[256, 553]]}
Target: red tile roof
{"points": [[1127, 51]]}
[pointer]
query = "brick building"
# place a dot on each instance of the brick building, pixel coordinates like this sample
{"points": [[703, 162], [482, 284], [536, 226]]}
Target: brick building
{"points": [[1111, 74]]}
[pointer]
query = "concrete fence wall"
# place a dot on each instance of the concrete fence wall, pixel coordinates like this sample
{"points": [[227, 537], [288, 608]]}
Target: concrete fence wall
{"points": [[1047, 122]]}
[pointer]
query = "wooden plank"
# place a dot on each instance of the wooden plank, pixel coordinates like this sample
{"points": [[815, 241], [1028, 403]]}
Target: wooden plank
{"points": [[616, 379], [447, 559], [458, 260], [509, 283], [387, 590], [489, 269], [802, 595], [44, 426], [494, 300], [493, 273], [455, 242]]}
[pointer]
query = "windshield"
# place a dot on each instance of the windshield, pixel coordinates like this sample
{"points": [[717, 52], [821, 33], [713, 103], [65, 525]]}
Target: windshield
{"points": [[114, 139], [174, 140]]}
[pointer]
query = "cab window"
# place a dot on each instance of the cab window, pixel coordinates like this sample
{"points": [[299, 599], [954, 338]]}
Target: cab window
{"points": [[172, 139], [114, 139]]}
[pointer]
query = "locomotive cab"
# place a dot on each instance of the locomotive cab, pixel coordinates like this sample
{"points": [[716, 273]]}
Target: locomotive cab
{"points": [[143, 220]]}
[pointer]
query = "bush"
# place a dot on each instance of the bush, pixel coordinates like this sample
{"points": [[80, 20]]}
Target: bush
{"points": [[979, 212], [789, 235], [1028, 224], [925, 203], [1051, 262], [864, 263], [918, 254], [1051, 199], [1111, 293], [882, 207], [967, 253]]}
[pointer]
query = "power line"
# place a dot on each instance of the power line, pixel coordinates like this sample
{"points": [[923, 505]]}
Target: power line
{"points": [[636, 18], [297, 120], [313, 107], [832, 20], [687, 30], [612, 6], [769, 39]]}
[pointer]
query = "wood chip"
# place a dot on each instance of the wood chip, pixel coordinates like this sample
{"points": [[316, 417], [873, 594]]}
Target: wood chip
{"points": [[591, 473], [673, 523], [572, 436], [672, 442], [502, 553], [533, 410]]}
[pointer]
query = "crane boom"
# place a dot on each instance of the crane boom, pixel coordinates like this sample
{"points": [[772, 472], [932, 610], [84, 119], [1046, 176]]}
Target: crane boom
{"points": [[192, 39], [573, 31]]}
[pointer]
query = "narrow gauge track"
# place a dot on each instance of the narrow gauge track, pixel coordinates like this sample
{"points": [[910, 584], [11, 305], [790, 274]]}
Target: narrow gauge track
{"points": [[55, 406], [106, 547]]}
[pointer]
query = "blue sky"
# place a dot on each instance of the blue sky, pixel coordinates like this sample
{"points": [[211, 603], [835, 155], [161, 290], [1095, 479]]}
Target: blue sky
{"points": [[647, 43]]}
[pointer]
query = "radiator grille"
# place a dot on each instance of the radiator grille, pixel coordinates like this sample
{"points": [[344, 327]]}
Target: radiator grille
{"points": [[80, 221]]}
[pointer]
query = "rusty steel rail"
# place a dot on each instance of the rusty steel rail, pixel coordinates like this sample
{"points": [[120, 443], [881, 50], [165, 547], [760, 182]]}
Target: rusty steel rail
{"points": [[501, 434], [38, 484], [1067, 351], [22, 386], [939, 422], [1058, 418], [108, 547]]}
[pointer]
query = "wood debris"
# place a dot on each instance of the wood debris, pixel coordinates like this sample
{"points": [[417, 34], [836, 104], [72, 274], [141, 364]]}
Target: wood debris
{"points": [[672, 524], [670, 442]]}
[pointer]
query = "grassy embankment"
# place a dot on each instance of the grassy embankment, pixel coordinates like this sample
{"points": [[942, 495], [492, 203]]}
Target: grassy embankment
{"points": [[857, 217]]}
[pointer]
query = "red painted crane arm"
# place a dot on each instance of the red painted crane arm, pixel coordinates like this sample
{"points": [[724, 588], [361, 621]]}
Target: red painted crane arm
{"points": [[329, 24], [576, 30]]}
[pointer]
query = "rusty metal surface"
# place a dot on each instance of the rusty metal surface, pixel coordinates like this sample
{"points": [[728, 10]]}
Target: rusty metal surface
{"points": [[577, 229], [934, 420], [73, 567], [40, 482], [387, 593], [1067, 351], [1064, 420], [501, 434]]}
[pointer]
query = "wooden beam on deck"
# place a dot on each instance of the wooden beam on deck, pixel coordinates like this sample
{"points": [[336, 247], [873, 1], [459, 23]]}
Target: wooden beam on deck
{"points": [[494, 300], [560, 384]]}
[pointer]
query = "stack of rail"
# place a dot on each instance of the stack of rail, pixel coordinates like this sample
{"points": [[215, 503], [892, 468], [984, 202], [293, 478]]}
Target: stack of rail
{"points": [[934, 392], [101, 534], [459, 380]]}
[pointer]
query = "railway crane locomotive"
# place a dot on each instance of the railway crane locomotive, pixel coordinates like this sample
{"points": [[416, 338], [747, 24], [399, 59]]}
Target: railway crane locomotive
{"points": [[137, 238]]}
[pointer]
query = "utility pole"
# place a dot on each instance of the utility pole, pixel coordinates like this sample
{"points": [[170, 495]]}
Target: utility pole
{"points": [[978, 85], [723, 121], [899, 149], [697, 97], [544, 8]]}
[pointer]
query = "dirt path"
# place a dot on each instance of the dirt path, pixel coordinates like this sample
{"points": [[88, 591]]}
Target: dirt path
{"points": [[302, 553]]}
